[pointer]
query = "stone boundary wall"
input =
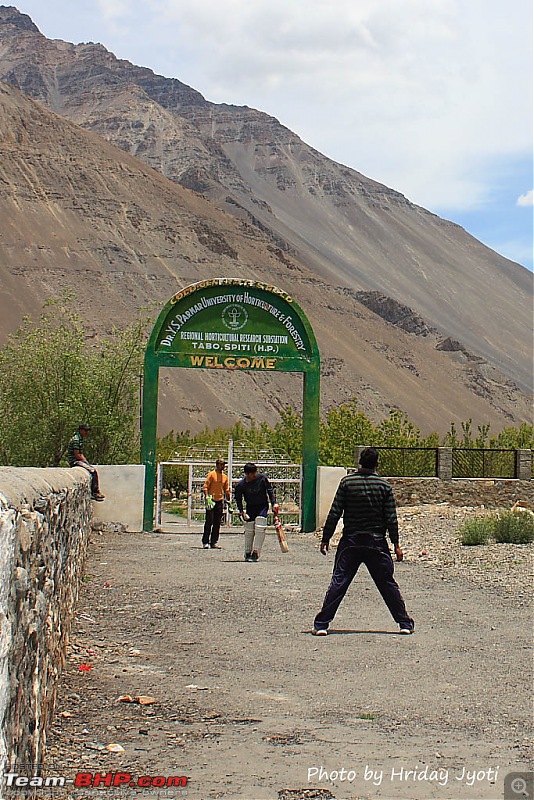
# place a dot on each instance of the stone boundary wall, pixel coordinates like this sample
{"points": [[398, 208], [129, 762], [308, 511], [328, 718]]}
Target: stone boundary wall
{"points": [[483, 492], [45, 519]]}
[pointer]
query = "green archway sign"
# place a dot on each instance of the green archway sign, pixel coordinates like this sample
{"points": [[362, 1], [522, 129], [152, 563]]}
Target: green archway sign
{"points": [[233, 324]]}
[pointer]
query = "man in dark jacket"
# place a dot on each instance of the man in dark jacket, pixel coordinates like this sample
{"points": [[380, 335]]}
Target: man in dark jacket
{"points": [[368, 507], [256, 491]]}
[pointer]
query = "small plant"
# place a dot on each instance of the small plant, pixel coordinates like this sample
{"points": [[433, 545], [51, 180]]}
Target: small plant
{"points": [[514, 527], [180, 511], [476, 531]]}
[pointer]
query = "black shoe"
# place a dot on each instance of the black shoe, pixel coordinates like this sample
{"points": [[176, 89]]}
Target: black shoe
{"points": [[248, 556], [254, 555]]}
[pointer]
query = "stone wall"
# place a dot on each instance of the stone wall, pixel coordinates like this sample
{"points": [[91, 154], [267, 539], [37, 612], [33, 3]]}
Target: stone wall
{"points": [[45, 519], [491, 493]]}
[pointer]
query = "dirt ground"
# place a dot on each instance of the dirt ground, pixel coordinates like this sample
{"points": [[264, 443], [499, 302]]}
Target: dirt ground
{"points": [[251, 706]]}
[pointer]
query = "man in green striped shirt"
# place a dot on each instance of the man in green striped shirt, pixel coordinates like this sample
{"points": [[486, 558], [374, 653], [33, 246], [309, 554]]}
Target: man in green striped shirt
{"points": [[368, 507]]}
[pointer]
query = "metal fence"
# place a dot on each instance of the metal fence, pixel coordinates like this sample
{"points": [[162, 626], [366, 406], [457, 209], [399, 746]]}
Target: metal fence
{"points": [[483, 463], [467, 462], [406, 462]]}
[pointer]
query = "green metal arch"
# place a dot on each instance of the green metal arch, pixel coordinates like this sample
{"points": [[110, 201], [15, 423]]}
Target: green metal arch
{"points": [[207, 325]]}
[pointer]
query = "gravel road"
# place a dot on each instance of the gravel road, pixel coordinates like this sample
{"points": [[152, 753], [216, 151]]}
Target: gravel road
{"points": [[250, 706]]}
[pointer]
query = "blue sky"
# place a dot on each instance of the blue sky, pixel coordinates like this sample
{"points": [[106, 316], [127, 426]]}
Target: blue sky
{"points": [[431, 97]]}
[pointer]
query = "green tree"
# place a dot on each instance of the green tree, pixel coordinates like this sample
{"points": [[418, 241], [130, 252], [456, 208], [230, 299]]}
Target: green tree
{"points": [[344, 428], [397, 431], [515, 438], [113, 371], [286, 437], [50, 381]]}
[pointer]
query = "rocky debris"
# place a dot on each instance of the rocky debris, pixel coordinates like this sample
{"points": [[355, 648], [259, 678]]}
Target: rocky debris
{"points": [[108, 527], [214, 240], [305, 794], [396, 313], [449, 345]]}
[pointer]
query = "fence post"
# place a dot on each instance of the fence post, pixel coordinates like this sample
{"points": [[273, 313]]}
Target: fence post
{"points": [[523, 465], [445, 463]]}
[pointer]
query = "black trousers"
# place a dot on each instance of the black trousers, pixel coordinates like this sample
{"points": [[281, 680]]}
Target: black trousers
{"points": [[377, 558], [212, 525]]}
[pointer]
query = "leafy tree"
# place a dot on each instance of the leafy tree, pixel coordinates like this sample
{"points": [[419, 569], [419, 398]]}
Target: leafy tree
{"points": [[286, 437], [51, 381], [346, 426], [515, 438], [398, 431], [343, 428], [113, 371]]}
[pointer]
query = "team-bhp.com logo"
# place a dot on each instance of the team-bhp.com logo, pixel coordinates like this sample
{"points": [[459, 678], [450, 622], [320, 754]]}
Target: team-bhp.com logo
{"points": [[94, 780]]}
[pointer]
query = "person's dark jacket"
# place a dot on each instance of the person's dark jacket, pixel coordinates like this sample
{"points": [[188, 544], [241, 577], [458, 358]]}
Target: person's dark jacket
{"points": [[368, 507], [255, 493]]}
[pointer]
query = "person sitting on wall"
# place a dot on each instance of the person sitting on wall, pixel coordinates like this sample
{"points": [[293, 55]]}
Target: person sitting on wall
{"points": [[76, 458]]}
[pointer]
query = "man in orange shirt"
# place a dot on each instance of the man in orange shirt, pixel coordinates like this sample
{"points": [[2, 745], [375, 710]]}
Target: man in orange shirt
{"points": [[215, 489]]}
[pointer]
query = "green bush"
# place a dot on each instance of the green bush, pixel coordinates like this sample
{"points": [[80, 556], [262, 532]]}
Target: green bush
{"points": [[476, 531], [514, 527]]}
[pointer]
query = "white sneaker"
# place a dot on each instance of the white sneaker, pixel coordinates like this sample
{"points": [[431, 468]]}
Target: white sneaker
{"points": [[406, 631], [320, 632], [206, 546]]}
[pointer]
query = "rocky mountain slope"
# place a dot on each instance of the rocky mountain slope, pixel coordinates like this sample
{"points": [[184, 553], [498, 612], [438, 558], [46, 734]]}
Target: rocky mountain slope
{"points": [[388, 286], [76, 213]]}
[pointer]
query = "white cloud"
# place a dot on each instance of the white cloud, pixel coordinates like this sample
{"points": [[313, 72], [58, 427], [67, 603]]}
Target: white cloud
{"points": [[526, 199], [421, 95], [112, 10], [427, 96]]}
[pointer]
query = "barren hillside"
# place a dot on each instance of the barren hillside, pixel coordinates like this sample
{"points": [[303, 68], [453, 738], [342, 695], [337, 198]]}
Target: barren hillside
{"points": [[77, 213], [350, 231]]}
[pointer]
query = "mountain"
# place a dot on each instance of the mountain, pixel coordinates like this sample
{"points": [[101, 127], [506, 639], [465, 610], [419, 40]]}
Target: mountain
{"points": [[409, 310]]}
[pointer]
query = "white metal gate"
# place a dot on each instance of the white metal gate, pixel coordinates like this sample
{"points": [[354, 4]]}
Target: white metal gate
{"points": [[286, 479]]}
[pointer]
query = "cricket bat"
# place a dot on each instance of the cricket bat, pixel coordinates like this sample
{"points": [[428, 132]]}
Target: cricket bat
{"points": [[281, 535]]}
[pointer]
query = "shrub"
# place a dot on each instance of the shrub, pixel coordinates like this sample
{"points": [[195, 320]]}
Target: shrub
{"points": [[514, 527], [476, 531]]}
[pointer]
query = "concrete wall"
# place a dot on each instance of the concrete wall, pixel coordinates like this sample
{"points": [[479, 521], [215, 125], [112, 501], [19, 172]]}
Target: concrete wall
{"points": [[123, 486], [327, 482], [45, 518]]}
